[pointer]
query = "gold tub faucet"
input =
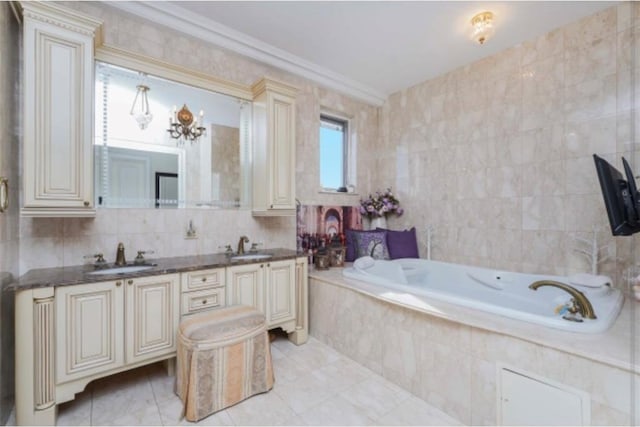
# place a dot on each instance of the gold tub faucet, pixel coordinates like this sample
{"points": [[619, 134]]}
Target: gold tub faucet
{"points": [[580, 302], [120, 255]]}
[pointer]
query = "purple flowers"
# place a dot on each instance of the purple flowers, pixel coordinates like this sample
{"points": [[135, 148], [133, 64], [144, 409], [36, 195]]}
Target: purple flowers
{"points": [[380, 205]]}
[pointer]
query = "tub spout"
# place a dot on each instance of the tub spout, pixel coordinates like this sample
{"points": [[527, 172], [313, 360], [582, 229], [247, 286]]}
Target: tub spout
{"points": [[580, 302]]}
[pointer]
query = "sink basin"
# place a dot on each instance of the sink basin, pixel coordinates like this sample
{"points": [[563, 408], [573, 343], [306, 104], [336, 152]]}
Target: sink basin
{"points": [[249, 257], [122, 270]]}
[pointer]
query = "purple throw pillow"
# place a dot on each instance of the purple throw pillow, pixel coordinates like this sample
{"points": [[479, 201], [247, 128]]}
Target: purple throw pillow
{"points": [[402, 244], [350, 241], [371, 243]]}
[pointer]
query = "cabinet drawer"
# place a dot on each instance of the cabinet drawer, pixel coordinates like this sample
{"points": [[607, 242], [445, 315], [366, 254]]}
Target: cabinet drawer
{"points": [[202, 279], [202, 300]]}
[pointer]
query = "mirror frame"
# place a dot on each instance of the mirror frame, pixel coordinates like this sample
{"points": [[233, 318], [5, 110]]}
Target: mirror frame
{"points": [[169, 71]]}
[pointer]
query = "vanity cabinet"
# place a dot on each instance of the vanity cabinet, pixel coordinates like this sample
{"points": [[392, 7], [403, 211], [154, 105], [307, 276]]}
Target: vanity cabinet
{"points": [[106, 325], [269, 287], [202, 290], [58, 111], [274, 149]]}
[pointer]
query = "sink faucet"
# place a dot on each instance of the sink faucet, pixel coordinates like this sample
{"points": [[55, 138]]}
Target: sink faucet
{"points": [[580, 302], [120, 255], [243, 240]]}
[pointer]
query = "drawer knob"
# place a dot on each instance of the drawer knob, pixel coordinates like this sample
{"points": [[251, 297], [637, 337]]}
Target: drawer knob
{"points": [[204, 279], [86, 204], [118, 283], [130, 282], [204, 301]]}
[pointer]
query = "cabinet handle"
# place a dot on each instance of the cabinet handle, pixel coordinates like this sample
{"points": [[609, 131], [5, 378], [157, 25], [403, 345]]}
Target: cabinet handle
{"points": [[130, 282], [204, 301], [118, 283], [204, 279], [269, 265], [86, 204], [261, 265], [4, 194]]}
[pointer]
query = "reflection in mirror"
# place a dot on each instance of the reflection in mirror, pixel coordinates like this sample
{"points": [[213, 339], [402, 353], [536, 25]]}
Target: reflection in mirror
{"points": [[138, 163]]}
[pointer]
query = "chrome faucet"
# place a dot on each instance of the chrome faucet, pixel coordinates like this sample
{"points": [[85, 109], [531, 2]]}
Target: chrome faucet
{"points": [[120, 255], [243, 240], [580, 303]]}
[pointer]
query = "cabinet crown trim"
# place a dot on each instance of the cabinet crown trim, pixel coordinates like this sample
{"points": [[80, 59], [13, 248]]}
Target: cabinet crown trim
{"points": [[64, 18], [267, 83]]}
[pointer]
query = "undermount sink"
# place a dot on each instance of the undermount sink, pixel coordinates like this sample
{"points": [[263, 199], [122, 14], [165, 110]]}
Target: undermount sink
{"points": [[248, 257], [122, 270]]}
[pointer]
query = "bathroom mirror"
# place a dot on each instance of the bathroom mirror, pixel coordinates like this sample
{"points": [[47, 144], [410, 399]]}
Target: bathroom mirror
{"points": [[139, 164]]}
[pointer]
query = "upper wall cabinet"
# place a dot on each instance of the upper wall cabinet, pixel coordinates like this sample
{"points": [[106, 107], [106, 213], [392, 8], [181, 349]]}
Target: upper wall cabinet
{"points": [[274, 190], [58, 111]]}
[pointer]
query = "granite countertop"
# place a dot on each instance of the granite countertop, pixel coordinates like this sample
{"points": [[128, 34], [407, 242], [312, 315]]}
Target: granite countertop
{"points": [[613, 347], [78, 274]]}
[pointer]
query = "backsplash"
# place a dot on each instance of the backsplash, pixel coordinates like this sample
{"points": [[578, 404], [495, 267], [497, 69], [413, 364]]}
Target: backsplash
{"points": [[57, 242]]}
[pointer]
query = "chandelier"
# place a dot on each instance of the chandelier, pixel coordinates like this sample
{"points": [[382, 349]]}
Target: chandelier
{"points": [[184, 127], [140, 108]]}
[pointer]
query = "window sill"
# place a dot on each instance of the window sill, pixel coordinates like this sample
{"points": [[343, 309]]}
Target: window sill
{"points": [[337, 193]]}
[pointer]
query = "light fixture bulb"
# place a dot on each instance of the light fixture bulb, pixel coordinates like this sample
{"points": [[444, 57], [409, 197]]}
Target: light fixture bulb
{"points": [[482, 26]]}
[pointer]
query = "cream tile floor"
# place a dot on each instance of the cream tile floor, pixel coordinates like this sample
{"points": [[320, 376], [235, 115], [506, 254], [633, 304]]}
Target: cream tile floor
{"points": [[315, 385]]}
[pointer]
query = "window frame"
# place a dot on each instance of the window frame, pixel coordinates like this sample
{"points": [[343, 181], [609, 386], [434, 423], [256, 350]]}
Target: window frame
{"points": [[337, 121]]}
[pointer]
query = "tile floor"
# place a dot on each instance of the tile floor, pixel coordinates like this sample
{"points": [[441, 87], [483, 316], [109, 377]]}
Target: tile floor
{"points": [[315, 385]]}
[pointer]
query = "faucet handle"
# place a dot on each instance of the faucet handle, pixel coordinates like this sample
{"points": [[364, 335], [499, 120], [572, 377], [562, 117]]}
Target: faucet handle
{"points": [[254, 246], [99, 259], [227, 249], [140, 257]]}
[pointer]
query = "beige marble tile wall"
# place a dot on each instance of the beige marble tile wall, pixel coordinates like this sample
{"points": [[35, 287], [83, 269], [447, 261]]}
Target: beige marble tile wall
{"points": [[9, 138], [225, 161], [454, 366], [496, 155], [52, 242]]}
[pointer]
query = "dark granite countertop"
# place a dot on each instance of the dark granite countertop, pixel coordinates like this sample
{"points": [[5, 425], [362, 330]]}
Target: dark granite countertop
{"points": [[79, 274]]}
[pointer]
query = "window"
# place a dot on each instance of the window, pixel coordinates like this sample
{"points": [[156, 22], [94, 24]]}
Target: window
{"points": [[334, 146]]}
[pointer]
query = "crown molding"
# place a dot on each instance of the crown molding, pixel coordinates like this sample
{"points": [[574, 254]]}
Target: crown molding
{"points": [[189, 23]]}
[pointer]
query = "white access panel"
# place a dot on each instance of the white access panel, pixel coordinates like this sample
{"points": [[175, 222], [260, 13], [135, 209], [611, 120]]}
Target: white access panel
{"points": [[525, 400]]}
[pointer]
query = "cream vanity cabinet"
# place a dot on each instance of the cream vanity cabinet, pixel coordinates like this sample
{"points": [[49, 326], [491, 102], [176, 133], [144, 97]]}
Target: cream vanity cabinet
{"points": [[269, 286], [202, 290], [102, 326], [274, 151], [58, 111]]}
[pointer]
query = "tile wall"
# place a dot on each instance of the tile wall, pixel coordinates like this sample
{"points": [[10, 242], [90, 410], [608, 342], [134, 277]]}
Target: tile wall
{"points": [[9, 140], [57, 242], [497, 155]]}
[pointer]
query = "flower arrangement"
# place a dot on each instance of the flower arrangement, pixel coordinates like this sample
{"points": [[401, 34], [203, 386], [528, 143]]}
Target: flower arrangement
{"points": [[380, 205]]}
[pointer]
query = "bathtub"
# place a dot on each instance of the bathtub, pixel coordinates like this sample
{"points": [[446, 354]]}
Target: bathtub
{"points": [[500, 292]]}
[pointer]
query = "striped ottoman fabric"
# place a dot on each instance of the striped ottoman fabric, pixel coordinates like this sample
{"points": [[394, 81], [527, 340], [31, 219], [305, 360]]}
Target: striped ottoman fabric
{"points": [[223, 358]]}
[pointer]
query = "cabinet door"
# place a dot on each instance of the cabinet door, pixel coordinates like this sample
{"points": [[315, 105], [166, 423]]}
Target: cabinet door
{"points": [[58, 102], [282, 153], [152, 316], [89, 324], [245, 285], [281, 294]]}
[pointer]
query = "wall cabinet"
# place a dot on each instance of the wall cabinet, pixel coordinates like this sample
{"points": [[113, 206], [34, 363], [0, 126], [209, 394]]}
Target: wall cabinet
{"points": [[58, 111], [274, 149]]}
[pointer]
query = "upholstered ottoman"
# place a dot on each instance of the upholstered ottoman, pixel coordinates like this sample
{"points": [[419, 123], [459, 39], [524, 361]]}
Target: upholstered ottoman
{"points": [[223, 358]]}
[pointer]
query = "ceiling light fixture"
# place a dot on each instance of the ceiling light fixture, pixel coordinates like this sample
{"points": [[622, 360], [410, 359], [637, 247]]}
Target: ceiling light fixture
{"points": [[183, 127], [482, 26], [140, 108]]}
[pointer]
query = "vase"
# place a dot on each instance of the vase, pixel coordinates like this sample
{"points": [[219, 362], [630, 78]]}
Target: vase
{"points": [[377, 222]]}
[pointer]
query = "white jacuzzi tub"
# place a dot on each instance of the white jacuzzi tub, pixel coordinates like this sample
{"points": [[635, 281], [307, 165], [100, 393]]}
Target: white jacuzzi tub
{"points": [[500, 292]]}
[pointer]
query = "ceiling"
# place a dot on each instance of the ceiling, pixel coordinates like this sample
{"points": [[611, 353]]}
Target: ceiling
{"points": [[368, 49]]}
